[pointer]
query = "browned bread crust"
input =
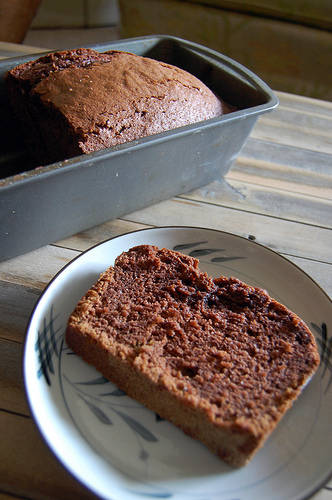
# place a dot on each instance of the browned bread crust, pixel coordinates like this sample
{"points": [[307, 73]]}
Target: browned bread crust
{"points": [[78, 101], [218, 358]]}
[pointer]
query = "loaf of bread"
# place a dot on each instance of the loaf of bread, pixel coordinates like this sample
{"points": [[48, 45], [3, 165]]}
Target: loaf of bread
{"points": [[78, 101], [218, 358]]}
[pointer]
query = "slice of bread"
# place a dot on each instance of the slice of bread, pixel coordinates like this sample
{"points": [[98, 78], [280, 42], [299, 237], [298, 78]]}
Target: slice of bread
{"points": [[220, 359]]}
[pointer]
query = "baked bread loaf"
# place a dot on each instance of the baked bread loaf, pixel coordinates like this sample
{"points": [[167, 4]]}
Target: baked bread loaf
{"points": [[218, 358], [78, 101]]}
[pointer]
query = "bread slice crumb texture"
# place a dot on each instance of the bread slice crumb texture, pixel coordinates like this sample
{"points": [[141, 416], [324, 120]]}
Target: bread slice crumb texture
{"points": [[228, 354]]}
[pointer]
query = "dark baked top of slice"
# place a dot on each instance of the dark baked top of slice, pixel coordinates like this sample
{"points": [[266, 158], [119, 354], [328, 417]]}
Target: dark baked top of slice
{"points": [[228, 347]]}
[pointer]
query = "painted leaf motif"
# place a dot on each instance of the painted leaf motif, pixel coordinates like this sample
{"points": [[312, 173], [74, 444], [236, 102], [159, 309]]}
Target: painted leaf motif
{"points": [[96, 381], [116, 392], [144, 455], [325, 344], [225, 259], [137, 427], [102, 417], [157, 495], [316, 327], [201, 252], [185, 246], [48, 342], [53, 332]]}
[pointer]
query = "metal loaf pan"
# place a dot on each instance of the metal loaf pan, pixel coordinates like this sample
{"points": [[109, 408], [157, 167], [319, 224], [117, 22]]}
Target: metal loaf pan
{"points": [[41, 205]]}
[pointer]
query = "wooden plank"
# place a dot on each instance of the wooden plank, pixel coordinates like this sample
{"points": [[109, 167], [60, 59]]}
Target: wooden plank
{"points": [[12, 396], [282, 130], [297, 122], [305, 113], [86, 239], [16, 304], [29, 468], [247, 171], [263, 199], [280, 235], [35, 269], [299, 161], [317, 124], [305, 104]]}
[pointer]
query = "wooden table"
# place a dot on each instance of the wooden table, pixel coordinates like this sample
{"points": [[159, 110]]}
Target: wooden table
{"points": [[279, 191]]}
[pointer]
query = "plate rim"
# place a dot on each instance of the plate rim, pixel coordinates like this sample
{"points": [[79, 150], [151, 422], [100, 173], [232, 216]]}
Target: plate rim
{"points": [[43, 433]]}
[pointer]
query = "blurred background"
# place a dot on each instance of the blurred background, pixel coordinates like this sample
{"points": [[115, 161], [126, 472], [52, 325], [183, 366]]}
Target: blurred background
{"points": [[287, 43]]}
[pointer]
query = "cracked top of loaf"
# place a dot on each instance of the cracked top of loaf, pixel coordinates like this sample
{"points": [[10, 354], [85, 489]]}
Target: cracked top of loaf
{"points": [[103, 99]]}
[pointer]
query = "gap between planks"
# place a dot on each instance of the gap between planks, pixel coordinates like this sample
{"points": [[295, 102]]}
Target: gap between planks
{"points": [[273, 175], [195, 197]]}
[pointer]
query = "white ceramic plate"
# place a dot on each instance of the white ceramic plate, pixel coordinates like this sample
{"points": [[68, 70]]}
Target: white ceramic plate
{"points": [[122, 451]]}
